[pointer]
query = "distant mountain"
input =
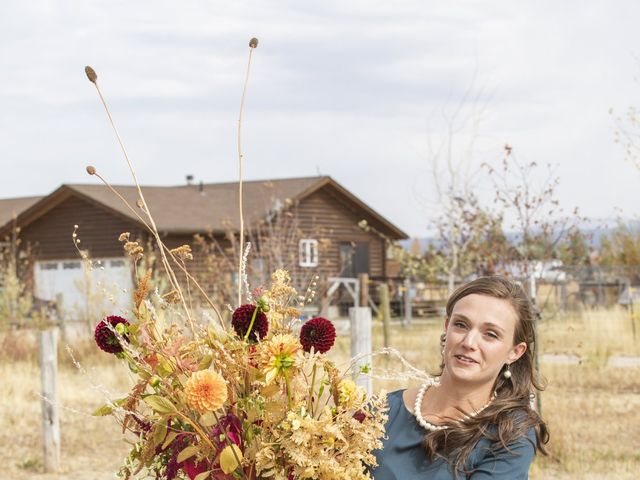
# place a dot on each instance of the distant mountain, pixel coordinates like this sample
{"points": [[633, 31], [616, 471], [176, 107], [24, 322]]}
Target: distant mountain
{"points": [[594, 229]]}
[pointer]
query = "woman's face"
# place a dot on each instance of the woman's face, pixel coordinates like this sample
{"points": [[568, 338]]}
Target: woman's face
{"points": [[480, 338]]}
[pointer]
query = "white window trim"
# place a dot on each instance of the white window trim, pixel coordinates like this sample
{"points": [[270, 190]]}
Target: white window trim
{"points": [[308, 248]]}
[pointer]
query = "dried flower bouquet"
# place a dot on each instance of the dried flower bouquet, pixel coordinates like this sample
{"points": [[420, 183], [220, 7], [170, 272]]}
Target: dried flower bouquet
{"points": [[253, 398]]}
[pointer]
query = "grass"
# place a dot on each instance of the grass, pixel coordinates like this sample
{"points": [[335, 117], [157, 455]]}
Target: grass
{"points": [[593, 411]]}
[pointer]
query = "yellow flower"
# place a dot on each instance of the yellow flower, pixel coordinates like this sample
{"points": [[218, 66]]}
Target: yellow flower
{"points": [[206, 390], [279, 355], [348, 393]]}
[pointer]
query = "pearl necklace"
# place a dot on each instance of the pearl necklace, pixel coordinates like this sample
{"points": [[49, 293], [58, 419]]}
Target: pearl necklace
{"points": [[435, 382]]}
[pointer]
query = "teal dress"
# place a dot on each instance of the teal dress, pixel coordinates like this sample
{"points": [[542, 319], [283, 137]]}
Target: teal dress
{"points": [[403, 456]]}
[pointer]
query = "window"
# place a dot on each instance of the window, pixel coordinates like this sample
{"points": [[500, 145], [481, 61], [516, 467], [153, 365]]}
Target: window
{"points": [[49, 266], [116, 263], [308, 252], [71, 265]]}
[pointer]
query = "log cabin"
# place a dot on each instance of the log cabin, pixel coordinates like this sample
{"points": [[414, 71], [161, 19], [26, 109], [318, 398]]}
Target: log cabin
{"points": [[311, 226]]}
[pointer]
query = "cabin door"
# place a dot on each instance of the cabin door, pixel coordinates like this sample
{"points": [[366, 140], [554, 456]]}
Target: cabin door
{"points": [[354, 259]]}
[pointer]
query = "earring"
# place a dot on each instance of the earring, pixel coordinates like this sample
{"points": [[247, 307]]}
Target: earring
{"points": [[507, 373]]}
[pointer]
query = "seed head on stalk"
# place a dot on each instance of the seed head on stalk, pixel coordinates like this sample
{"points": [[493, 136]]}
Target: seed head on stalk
{"points": [[91, 74], [150, 223], [253, 43]]}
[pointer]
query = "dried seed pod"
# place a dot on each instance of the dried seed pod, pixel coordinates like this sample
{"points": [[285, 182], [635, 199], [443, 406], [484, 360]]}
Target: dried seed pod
{"points": [[91, 74], [91, 170], [253, 43]]}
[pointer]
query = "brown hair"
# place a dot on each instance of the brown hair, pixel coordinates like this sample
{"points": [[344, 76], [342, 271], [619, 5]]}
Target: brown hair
{"points": [[509, 416]]}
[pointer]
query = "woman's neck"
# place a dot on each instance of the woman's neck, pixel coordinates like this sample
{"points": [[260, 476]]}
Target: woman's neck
{"points": [[452, 396]]}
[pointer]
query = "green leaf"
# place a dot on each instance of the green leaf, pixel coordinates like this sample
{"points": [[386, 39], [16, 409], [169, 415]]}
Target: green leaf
{"points": [[208, 419], [159, 432], [171, 436], [230, 457], [205, 362], [165, 368], [203, 475], [103, 411], [160, 404], [143, 313], [188, 452]]}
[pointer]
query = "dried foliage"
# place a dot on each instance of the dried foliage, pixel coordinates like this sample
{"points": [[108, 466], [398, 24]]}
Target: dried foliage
{"points": [[214, 402], [16, 281], [222, 405], [274, 245]]}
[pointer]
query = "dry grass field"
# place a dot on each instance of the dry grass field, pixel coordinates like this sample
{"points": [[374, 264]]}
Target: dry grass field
{"points": [[593, 410]]}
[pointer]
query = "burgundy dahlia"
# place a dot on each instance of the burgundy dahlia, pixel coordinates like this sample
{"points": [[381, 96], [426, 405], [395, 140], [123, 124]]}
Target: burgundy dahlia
{"points": [[241, 320], [318, 333], [105, 337], [360, 416]]}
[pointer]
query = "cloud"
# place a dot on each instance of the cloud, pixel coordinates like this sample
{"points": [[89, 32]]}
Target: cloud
{"points": [[350, 89]]}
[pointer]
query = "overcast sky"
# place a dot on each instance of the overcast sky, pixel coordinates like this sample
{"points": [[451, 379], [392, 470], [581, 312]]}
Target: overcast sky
{"points": [[350, 89]]}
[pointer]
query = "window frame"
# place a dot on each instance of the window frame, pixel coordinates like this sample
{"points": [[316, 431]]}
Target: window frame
{"points": [[308, 254]]}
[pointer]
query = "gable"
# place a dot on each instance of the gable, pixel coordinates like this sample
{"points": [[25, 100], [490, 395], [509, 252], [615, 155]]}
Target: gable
{"points": [[349, 208]]}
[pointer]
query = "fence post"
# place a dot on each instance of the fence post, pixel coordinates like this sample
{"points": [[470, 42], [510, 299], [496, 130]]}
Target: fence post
{"points": [[50, 416], [385, 311], [360, 319], [60, 317], [363, 280], [407, 303]]}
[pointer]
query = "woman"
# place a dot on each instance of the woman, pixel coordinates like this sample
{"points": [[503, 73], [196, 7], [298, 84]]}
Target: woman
{"points": [[475, 420]]}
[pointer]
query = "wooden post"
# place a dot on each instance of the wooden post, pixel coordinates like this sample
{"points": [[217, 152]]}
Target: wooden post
{"points": [[324, 306], [50, 417], [563, 297], [360, 319], [385, 311], [631, 291], [363, 280], [60, 318], [407, 303]]}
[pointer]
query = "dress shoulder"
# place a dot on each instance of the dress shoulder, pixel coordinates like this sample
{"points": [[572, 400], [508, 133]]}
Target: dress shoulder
{"points": [[510, 463]]}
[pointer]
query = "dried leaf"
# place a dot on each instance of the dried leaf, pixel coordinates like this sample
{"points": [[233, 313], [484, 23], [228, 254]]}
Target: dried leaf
{"points": [[103, 411], [208, 419], [229, 458], [188, 452], [171, 436], [159, 433], [160, 404]]}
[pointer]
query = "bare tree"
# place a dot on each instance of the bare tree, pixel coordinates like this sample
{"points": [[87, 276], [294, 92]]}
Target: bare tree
{"points": [[16, 280], [462, 228], [527, 196], [461, 221], [627, 134]]}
